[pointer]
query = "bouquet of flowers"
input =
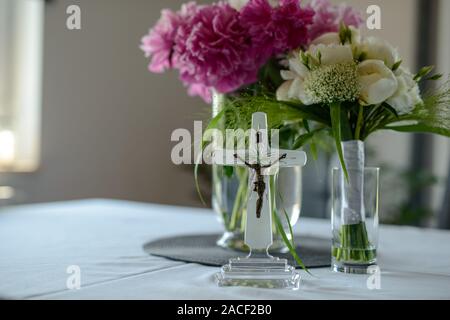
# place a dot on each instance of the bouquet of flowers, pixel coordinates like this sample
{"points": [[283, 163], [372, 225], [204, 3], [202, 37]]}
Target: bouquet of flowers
{"points": [[227, 46], [354, 86], [311, 71]]}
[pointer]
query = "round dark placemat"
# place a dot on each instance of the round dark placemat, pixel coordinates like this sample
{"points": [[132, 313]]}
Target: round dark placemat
{"points": [[202, 249]]}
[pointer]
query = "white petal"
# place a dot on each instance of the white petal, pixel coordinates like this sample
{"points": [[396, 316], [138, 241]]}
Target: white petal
{"points": [[298, 67], [287, 75], [333, 54], [327, 39], [297, 91], [283, 91], [356, 35], [379, 49], [407, 95], [378, 82]]}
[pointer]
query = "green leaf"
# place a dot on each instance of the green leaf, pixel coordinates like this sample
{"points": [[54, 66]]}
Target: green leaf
{"points": [[421, 128], [362, 56], [291, 249], [391, 110], [423, 72], [306, 125], [305, 59], [197, 185], [345, 34], [431, 116], [238, 114], [346, 130], [336, 129], [213, 124], [286, 216], [313, 112], [228, 171], [435, 77], [396, 65], [319, 56], [313, 147], [302, 140]]}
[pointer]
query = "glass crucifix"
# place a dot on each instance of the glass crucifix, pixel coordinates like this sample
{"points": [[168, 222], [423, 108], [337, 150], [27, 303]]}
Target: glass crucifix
{"points": [[259, 268]]}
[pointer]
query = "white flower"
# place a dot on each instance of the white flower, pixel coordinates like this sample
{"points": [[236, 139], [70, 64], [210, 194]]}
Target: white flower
{"points": [[377, 81], [333, 83], [327, 39], [359, 70], [356, 35], [378, 49], [331, 38], [332, 54], [293, 88], [407, 95], [334, 79]]}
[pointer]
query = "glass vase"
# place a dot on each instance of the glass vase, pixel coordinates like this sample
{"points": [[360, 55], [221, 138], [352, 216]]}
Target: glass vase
{"points": [[354, 242], [229, 196]]}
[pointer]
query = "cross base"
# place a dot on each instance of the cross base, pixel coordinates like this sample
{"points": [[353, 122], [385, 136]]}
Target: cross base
{"points": [[268, 272]]}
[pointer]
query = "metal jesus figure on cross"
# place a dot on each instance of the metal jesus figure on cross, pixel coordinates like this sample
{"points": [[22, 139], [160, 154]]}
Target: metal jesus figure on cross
{"points": [[259, 184], [263, 162], [259, 268]]}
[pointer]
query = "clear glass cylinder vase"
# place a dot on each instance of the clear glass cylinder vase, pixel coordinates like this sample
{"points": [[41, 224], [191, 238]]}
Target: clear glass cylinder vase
{"points": [[229, 196], [354, 243]]}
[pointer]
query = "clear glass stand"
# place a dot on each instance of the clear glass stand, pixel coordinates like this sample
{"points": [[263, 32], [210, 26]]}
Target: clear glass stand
{"points": [[259, 270]]}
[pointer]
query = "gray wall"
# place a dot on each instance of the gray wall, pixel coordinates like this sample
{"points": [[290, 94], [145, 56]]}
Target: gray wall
{"points": [[106, 121]]}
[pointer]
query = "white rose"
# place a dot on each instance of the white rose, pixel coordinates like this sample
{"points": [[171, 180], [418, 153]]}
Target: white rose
{"points": [[332, 54], [378, 82], [407, 95], [293, 87], [331, 38], [356, 35], [378, 49], [327, 39]]}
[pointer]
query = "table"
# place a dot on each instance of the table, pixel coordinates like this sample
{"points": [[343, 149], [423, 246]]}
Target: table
{"points": [[104, 239]]}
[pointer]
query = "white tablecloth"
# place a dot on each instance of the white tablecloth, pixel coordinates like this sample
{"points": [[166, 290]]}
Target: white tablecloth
{"points": [[104, 238]]}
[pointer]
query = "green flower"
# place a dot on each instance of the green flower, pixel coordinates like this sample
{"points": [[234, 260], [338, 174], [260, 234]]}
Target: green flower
{"points": [[333, 83]]}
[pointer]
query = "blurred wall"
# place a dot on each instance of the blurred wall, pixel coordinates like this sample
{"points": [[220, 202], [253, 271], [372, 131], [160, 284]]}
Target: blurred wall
{"points": [[107, 121], [441, 156]]}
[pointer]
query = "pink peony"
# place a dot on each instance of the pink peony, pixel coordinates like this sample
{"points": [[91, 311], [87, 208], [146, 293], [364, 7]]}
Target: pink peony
{"points": [[213, 50], [217, 47], [278, 29], [201, 91], [328, 17], [158, 43]]}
